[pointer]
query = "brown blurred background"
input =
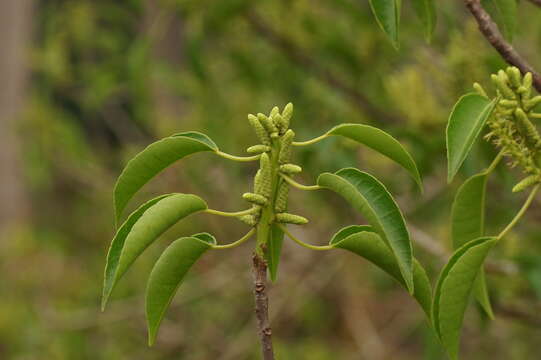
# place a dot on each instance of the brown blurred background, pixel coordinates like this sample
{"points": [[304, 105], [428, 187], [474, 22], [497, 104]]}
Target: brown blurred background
{"points": [[85, 84]]}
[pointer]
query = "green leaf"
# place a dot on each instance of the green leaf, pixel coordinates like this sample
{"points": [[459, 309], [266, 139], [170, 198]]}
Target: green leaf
{"points": [[468, 117], [381, 142], [387, 13], [363, 241], [152, 160], [504, 13], [143, 227], [272, 255], [467, 223], [453, 290], [370, 197], [117, 245], [198, 136], [167, 275], [426, 11]]}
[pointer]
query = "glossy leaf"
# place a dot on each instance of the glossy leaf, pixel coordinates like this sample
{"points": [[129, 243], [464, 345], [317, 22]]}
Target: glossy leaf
{"points": [[426, 11], [276, 239], [143, 227], [370, 197], [467, 223], [363, 241], [381, 142], [168, 274], [453, 290], [152, 160], [504, 13], [466, 121], [118, 243], [387, 13]]}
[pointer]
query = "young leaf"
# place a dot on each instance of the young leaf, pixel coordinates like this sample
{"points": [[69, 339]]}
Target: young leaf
{"points": [[118, 243], [167, 275], [453, 290], [363, 241], [387, 13], [426, 11], [465, 123], [467, 223], [505, 15], [370, 197], [147, 227], [381, 142], [276, 239], [152, 160]]}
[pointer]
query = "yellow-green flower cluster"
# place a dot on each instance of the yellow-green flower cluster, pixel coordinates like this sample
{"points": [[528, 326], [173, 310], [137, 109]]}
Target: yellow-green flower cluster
{"points": [[270, 189], [511, 128]]}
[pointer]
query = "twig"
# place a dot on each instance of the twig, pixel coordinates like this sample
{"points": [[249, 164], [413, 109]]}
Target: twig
{"points": [[298, 55], [262, 306], [491, 32]]}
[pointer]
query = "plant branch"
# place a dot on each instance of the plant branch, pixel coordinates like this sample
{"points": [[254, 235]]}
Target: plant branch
{"points": [[296, 54], [237, 158], [491, 32], [262, 306], [536, 2], [231, 214], [521, 212], [236, 243], [295, 184], [302, 243]]}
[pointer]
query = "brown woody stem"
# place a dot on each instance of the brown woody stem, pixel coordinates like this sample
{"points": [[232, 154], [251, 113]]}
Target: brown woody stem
{"points": [[262, 306], [491, 32]]}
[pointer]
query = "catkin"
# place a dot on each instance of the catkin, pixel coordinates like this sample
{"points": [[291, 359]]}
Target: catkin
{"points": [[255, 199], [266, 176], [260, 131], [527, 129], [514, 76], [268, 124], [291, 219], [287, 113], [280, 204], [258, 149], [249, 220], [526, 182], [500, 81], [285, 150], [290, 169]]}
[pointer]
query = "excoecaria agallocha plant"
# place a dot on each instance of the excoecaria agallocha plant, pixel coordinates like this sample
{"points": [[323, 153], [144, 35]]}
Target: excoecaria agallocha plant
{"points": [[384, 241], [508, 117]]}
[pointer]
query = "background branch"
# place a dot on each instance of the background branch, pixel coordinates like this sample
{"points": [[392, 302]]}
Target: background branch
{"points": [[491, 32], [536, 2]]}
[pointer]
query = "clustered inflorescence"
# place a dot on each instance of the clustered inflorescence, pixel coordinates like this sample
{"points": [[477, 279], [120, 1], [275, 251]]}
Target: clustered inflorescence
{"points": [[271, 189], [510, 126]]}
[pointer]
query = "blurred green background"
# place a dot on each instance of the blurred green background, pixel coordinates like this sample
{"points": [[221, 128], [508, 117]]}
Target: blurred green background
{"points": [[87, 84]]}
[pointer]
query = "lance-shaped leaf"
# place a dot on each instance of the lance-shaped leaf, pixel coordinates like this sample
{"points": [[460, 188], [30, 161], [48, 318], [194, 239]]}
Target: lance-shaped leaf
{"points": [[381, 142], [426, 11], [453, 290], [466, 121], [363, 241], [152, 160], [370, 197], [467, 223], [387, 13], [146, 228], [168, 274], [118, 243], [276, 239]]}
